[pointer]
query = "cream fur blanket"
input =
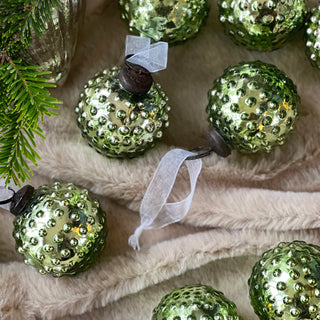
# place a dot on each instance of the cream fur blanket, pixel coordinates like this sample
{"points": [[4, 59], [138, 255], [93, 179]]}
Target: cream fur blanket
{"points": [[243, 204]]}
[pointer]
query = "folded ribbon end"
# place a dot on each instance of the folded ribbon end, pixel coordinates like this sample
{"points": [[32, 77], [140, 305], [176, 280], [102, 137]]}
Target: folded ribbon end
{"points": [[134, 239]]}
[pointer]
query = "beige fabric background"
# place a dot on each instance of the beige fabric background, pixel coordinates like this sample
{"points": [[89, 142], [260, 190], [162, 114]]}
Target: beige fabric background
{"points": [[243, 204]]}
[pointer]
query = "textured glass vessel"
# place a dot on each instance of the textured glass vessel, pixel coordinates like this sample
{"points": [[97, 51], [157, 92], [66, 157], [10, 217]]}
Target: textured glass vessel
{"points": [[61, 230], [285, 282], [312, 37], [195, 302], [55, 49], [118, 123], [254, 106], [260, 24], [166, 20]]}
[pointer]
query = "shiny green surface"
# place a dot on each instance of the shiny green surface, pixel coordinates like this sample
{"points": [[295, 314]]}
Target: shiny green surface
{"points": [[117, 123], [166, 20], [285, 283], [253, 106], [262, 24], [312, 37], [195, 302], [61, 230]]}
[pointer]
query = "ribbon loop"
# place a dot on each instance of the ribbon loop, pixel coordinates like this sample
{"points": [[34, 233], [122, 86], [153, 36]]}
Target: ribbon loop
{"points": [[155, 212], [153, 57]]}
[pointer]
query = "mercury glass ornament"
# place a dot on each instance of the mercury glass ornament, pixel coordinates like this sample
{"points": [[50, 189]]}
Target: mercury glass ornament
{"points": [[312, 37], [253, 106], [262, 25], [55, 49], [119, 122], [167, 20], [60, 230], [195, 302], [285, 282]]}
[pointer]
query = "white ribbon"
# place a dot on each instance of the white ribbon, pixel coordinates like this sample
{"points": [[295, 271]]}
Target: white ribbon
{"points": [[5, 193], [155, 212], [153, 57]]}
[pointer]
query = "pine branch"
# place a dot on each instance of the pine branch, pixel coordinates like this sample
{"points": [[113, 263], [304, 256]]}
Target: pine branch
{"points": [[18, 18], [24, 95], [25, 101], [17, 147]]}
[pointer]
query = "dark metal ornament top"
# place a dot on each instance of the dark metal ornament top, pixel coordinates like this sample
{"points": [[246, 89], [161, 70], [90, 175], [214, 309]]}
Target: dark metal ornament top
{"points": [[135, 79], [20, 199], [216, 144]]}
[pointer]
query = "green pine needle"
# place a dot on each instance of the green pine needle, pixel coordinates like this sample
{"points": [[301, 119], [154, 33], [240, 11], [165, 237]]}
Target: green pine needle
{"points": [[18, 18], [24, 102], [24, 95]]}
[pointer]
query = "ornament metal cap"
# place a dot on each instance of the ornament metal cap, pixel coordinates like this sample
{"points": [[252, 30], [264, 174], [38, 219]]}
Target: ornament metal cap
{"points": [[141, 59], [134, 78], [216, 144], [20, 199]]}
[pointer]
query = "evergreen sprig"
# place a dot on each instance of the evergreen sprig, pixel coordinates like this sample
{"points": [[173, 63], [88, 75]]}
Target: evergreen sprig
{"points": [[24, 95], [18, 18]]}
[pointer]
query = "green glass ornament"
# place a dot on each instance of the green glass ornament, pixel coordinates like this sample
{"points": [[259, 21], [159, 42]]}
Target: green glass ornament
{"points": [[285, 282], [312, 37], [118, 123], [195, 302], [166, 20], [60, 230], [262, 25], [253, 106]]}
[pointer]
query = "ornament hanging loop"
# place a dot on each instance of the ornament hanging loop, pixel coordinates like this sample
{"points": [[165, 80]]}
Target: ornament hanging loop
{"points": [[201, 151], [9, 199]]}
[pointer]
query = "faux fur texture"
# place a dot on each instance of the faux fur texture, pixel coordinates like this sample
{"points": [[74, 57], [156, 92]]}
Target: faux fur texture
{"points": [[243, 204]]}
